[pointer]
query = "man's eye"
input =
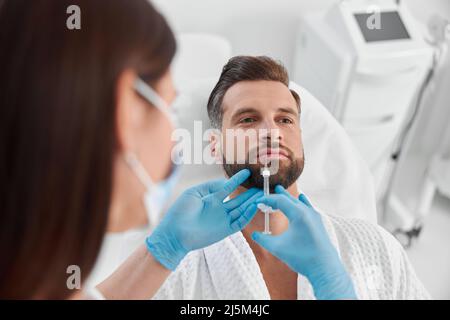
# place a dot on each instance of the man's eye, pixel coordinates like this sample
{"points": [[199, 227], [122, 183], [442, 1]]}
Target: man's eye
{"points": [[247, 120], [286, 121]]}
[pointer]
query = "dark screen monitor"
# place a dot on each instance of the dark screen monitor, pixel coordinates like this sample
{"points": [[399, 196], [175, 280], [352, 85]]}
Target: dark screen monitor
{"points": [[391, 27]]}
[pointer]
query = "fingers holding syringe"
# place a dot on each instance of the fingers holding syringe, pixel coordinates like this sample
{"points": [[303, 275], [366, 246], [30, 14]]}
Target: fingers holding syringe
{"points": [[243, 205], [243, 219], [283, 203], [305, 200], [242, 199], [279, 189]]}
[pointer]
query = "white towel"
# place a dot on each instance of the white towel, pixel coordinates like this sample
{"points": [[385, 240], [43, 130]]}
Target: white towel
{"points": [[375, 260]]}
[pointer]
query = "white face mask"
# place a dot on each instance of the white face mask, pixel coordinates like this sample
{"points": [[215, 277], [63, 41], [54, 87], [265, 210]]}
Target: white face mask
{"points": [[157, 194]]}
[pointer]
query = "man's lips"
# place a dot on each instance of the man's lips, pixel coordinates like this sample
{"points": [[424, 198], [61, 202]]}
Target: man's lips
{"points": [[273, 153]]}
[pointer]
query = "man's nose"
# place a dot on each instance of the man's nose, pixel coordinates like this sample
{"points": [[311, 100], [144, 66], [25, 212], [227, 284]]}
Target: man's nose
{"points": [[269, 124], [269, 131]]}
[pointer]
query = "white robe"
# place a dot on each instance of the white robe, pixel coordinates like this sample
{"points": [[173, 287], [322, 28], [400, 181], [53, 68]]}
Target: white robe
{"points": [[375, 260]]}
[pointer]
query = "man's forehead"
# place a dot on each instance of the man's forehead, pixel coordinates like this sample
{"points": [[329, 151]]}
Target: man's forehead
{"points": [[256, 94]]}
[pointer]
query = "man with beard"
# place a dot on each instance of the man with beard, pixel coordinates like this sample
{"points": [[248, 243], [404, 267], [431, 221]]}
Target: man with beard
{"points": [[309, 254]]}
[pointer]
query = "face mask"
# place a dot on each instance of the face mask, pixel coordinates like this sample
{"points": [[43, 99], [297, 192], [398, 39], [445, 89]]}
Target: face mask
{"points": [[157, 194]]}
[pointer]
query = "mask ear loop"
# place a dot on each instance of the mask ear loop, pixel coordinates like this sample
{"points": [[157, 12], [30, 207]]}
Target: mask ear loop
{"points": [[140, 172], [149, 94], [138, 169]]}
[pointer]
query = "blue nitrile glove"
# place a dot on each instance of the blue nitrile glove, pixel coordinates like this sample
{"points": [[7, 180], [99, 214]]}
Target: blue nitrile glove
{"points": [[305, 246], [199, 218]]}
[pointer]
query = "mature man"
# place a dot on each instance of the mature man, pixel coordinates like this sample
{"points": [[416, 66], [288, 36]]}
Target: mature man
{"points": [[309, 254]]}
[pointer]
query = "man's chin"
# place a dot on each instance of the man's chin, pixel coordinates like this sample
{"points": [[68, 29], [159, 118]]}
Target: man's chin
{"points": [[287, 173]]}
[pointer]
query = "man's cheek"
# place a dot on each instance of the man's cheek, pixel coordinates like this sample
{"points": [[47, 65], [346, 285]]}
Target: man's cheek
{"points": [[235, 150]]}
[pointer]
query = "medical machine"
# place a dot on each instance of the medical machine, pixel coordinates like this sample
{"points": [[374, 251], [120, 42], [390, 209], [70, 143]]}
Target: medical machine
{"points": [[407, 211], [365, 61]]}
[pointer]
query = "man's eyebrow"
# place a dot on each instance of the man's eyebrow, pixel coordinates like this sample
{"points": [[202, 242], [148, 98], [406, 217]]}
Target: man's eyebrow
{"points": [[290, 111]]}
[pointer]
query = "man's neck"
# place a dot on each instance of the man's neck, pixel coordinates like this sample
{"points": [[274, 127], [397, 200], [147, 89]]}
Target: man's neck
{"points": [[278, 221]]}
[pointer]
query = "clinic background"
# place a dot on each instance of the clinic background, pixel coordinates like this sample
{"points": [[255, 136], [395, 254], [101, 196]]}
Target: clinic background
{"points": [[268, 27]]}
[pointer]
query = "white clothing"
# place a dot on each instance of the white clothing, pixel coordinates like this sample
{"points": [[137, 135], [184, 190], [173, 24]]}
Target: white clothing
{"points": [[375, 260]]}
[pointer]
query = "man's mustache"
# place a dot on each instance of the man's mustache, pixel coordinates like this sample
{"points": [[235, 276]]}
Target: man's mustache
{"points": [[255, 152]]}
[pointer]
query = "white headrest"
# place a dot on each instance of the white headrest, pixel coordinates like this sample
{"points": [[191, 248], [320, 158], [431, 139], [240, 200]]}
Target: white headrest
{"points": [[335, 178]]}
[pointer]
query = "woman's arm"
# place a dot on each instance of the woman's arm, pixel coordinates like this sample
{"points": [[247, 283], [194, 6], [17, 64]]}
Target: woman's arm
{"points": [[200, 210], [139, 277]]}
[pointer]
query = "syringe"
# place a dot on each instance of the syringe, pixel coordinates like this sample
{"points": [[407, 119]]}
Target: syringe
{"points": [[265, 172]]}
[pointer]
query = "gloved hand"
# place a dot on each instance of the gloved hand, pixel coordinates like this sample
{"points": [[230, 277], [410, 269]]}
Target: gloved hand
{"points": [[199, 218], [305, 246]]}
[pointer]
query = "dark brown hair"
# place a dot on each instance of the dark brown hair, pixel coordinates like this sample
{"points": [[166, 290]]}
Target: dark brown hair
{"points": [[58, 130], [244, 68]]}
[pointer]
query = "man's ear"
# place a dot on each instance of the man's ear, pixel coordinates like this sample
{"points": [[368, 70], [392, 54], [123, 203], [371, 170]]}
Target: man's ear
{"points": [[215, 144]]}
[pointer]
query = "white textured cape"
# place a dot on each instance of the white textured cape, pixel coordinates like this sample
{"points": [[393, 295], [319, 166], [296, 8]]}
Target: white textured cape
{"points": [[375, 260]]}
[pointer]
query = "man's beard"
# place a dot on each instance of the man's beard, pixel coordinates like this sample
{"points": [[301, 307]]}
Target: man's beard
{"points": [[288, 172]]}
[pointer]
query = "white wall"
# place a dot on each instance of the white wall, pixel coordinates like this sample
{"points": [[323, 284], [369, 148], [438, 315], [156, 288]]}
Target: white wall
{"points": [[269, 27], [253, 26], [261, 26]]}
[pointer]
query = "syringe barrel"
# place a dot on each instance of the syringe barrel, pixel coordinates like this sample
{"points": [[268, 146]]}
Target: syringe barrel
{"points": [[266, 186]]}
